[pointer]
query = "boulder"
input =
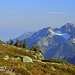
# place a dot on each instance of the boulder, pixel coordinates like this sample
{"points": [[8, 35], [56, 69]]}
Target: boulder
{"points": [[6, 57], [27, 51], [26, 59], [19, 48]]}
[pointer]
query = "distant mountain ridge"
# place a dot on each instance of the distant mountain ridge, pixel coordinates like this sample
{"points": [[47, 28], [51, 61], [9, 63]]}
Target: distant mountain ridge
{"points": [[64, 33], [23, 36]]}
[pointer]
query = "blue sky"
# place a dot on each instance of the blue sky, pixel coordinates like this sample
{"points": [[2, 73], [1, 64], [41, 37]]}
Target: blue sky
{"points": [[19, 16]]}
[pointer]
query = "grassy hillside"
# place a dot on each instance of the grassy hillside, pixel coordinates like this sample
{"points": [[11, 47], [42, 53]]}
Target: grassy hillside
{"points": [[11, 63]]}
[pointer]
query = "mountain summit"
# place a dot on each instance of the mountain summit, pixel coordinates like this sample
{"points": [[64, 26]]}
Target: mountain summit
{"points": [[67, 28]]}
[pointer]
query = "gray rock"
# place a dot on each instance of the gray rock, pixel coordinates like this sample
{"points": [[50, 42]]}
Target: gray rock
{"points": [[41, 57], [27, 51], [19, 48], [26, 59], [37, 60], [35, 56], [6, 57]]}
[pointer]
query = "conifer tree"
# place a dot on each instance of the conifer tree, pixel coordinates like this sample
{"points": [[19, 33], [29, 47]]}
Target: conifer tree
{"points": [[33, 48], [21, 44], [17, 43], [25, 44], [36, 48], [11, 42]]}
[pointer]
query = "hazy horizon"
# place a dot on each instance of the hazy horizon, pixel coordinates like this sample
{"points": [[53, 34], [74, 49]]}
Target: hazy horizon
{"points": [[18, 17]]}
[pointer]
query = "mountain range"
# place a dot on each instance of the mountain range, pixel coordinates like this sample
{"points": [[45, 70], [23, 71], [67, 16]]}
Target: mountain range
{"points": [[54, 43]]}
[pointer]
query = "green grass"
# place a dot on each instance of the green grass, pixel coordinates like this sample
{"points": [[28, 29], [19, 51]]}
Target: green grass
{"points": [[36, 68], [56, 61]]}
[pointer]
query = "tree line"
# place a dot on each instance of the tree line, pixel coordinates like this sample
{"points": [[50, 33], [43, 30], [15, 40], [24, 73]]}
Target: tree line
{"points": [[23, 44], [18, 43]]}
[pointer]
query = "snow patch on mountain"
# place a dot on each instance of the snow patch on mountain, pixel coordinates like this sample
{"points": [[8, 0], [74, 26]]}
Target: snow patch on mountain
{"points": [[65, 35]]}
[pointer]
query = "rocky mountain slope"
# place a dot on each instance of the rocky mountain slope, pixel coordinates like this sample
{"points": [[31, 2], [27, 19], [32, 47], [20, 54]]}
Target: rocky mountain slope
{"points": [[67, 47], [55, 43], [20, 61]]}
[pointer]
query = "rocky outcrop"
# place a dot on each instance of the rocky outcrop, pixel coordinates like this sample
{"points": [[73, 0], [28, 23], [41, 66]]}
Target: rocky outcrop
{"points": [[40, 56]]}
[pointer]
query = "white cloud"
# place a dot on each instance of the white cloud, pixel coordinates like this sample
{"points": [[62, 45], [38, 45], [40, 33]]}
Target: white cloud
{"points": [[46, 16], [55, 12]]}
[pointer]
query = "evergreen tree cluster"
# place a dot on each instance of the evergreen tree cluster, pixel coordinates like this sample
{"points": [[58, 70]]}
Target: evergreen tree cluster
{"points": [[36, 48], [23, 44], [18, 43]]}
